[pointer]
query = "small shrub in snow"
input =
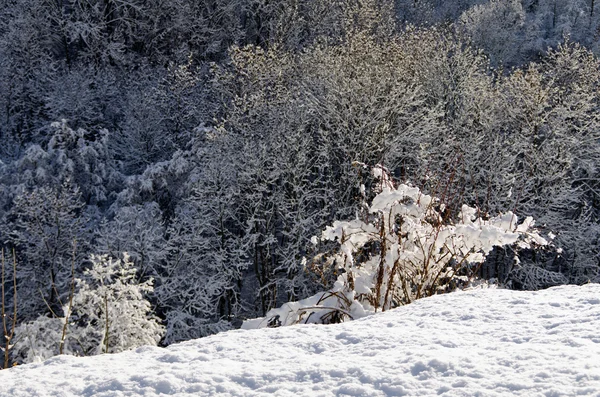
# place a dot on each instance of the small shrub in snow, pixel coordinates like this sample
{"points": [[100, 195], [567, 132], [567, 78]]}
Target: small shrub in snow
{"points": [[110, 313], [39, 340], [408, 248], [112, 303]]}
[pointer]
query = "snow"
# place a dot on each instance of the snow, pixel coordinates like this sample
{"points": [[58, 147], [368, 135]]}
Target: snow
{"points": [[486, 342]]}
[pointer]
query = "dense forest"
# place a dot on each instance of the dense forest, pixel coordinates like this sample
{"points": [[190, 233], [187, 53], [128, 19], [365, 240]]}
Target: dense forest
{"points": [[164, 165]]}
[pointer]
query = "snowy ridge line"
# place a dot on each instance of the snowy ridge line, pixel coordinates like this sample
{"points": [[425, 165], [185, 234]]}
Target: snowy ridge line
{"points": [[486, 342]]}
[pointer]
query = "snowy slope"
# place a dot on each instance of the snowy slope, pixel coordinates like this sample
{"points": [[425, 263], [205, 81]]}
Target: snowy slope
{"points": [[484, 342]]}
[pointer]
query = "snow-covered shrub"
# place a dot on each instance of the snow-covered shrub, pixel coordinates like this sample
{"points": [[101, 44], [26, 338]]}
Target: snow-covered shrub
{"points": [[409, 247], [111, 304], [109, 313], [39, 340]]}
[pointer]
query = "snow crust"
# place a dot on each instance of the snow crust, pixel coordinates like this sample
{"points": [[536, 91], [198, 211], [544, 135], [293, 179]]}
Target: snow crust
{"points": [[486, 342]]}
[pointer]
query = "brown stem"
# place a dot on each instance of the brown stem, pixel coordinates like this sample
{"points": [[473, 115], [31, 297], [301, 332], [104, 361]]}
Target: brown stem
{"points": [[70, 308], [3, 314], [8, 335], [381, 270], [106, 324]]}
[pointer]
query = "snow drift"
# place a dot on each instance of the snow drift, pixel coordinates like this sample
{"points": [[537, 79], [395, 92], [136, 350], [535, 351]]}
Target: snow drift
{"points": [[487, 342]]}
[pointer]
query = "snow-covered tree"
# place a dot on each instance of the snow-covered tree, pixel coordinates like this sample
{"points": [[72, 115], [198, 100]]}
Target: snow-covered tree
{"points": [[67, 156], [26, 66], [109, 313], [557, 147], [112, 307], [49, 231], [199, 287], [139, 231], [548, 22], [497, 27]]}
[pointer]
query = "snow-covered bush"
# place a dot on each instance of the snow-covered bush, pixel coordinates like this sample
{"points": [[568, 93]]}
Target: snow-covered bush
{"points": [[111, 304], [109, 314], [39, 340], [409, 247]]}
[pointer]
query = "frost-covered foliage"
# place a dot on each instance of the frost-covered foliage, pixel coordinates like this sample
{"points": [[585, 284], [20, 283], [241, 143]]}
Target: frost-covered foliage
{"points": [[212, 139], [411, 246], [138, 230], [112, 308], [48, 228], [497, 27], [39, 340], [109, 313]]}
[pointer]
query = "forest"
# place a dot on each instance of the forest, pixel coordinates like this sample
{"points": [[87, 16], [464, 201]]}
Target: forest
{"points": [[165, 165]]}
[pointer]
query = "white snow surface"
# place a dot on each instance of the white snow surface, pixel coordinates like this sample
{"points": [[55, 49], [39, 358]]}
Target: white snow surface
{"points": [[486, 342]]}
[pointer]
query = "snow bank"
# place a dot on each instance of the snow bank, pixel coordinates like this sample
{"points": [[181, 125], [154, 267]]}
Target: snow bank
{"points": [[483, 342]]}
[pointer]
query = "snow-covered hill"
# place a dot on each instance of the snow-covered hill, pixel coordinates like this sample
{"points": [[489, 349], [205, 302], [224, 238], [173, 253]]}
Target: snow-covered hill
{"points": [[484, 342]]}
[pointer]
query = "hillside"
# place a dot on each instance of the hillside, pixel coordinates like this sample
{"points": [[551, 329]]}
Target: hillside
{"points": [[486, 342]]}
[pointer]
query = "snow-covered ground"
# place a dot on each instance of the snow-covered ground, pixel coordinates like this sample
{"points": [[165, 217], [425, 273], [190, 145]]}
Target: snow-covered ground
{"points": [[479, 343]]}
